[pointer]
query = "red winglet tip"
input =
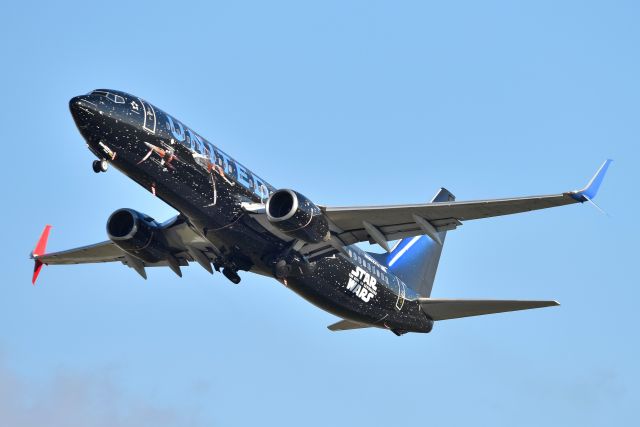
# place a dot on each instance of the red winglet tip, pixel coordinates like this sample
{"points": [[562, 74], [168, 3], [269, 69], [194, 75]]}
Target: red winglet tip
{"points": [[40, 249], [36, 271]]}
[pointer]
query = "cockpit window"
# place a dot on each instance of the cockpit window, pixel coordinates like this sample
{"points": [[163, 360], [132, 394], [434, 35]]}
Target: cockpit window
{"points": [[115, 98], [110, 96]]}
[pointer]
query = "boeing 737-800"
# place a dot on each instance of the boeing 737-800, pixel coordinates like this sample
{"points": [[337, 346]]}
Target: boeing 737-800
{"points": [[232, 220]]}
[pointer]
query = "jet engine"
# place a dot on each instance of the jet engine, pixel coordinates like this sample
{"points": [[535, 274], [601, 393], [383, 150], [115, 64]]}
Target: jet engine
{"points": [[295, 215], [137, 234]]}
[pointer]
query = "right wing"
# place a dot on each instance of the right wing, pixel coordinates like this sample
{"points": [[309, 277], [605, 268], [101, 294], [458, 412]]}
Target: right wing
{"points": [[443, 309], [379, 224]]}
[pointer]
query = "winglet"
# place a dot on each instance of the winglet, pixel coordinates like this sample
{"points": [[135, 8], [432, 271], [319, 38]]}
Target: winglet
{"points": [[40, 249], [590, 191]]}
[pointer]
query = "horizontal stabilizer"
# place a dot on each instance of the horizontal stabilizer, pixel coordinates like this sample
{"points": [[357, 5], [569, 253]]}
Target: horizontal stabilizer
{"points": [[345, 325], [443, 309]]}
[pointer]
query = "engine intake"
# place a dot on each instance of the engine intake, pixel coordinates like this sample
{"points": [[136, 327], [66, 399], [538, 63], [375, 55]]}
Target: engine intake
{"points": [[295, 215], [138, 235]]}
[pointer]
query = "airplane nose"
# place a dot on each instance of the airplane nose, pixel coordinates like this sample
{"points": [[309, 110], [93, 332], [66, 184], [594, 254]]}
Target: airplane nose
{"points": [[82, 109], [77, 102]]}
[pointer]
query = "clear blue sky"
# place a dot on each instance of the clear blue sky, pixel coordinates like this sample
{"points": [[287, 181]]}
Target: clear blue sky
{"points": [[349, 103]]}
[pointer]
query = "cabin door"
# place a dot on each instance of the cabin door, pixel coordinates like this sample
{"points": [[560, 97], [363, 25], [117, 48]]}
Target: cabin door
{"points": [[402, 291], [149, 116]]}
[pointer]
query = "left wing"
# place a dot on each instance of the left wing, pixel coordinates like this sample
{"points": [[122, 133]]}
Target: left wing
{"points": [[99, 252], [184, 243]]}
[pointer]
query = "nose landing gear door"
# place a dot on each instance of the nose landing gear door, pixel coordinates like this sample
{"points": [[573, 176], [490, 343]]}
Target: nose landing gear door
{"points": [[149, 116], [402, 291]]}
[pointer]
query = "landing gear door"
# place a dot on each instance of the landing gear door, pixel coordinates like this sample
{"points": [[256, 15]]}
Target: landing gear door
{"points": [[402, 291], [149, 116]]}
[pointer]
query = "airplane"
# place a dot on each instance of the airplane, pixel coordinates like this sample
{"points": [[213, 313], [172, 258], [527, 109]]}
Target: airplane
{"points": [[232, 220]]}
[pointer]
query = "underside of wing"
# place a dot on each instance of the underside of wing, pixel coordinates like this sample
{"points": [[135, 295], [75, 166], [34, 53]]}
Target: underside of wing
{"points": [[379, 224], [398, 222], [99, 252], [182, 245]]}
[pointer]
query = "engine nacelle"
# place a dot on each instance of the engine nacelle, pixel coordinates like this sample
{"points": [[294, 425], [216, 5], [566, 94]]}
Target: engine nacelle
{"points": [[137, 234], [295, 215]]}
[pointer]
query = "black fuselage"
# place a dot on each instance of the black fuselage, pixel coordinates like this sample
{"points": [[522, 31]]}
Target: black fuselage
{"points": [[209, 189]]}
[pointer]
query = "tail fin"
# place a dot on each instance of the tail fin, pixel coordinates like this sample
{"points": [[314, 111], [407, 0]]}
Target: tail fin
{"points": [[415, 259]]}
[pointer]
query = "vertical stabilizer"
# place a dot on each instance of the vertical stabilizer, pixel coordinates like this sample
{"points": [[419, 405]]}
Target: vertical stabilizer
{"points": [[415, 259]]}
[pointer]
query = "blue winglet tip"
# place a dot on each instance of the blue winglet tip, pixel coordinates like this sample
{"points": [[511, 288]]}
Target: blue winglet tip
{"points": [[590, 191]]}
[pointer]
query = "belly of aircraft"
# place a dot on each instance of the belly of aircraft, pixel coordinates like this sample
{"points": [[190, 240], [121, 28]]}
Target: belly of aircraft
{"points": [[213, 204]]}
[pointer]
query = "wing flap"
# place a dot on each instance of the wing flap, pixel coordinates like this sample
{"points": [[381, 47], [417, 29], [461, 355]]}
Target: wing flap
{"points": [[444, 309]]}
